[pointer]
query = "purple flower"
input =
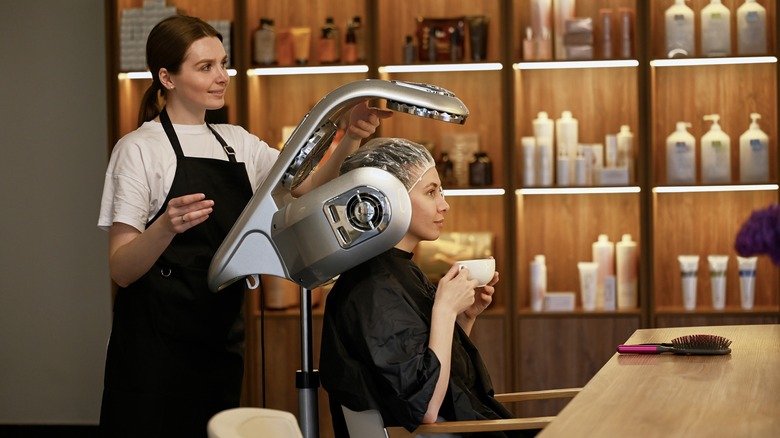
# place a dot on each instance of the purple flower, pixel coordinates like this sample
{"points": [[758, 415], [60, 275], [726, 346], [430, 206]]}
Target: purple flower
{"points": [[760, 234]]}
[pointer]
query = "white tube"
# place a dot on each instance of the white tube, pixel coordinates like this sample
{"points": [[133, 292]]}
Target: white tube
{"points": [[689, 269], [538, 283], [747, 280], [718, 266], [588, 277]]}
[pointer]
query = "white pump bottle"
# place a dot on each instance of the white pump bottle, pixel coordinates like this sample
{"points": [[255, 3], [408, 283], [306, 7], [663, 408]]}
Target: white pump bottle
{"points": [[754, 153], [751, 29], [715, 154], [715, 29], [679, 30], [681, 156]]}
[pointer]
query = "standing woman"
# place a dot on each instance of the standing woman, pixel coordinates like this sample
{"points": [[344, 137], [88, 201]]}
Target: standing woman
{"points": [[173, 189]]}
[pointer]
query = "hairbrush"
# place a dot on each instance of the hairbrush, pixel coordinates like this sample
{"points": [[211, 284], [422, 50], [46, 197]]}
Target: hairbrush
{"points": [[689, 345]]}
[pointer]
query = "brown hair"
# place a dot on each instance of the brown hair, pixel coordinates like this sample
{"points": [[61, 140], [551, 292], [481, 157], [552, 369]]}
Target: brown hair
{"points": [[166, 47]]}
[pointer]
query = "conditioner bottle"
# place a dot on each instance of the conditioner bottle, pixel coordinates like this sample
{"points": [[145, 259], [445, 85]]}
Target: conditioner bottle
{"points": [[715, 154], [754, 153], [751, 29], [626, 259], [543, 132], [678, 20], [715, 29], [681, 156]]}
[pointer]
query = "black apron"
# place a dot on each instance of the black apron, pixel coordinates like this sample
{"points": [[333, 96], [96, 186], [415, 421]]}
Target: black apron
{"points": [[175, 357]]}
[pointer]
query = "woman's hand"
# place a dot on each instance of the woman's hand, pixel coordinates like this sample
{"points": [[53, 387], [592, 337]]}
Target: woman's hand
{"points": [[455, 291], [363, 120], [187, 211], [483, 298]]}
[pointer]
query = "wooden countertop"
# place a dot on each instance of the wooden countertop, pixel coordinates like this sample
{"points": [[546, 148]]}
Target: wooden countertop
{"points": [[666, 395]]}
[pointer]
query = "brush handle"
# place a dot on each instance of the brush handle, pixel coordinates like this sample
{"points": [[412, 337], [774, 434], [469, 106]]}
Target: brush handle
{"points": [[642, 349]]}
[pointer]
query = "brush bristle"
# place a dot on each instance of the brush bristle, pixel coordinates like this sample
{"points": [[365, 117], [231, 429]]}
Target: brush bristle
{"points": [[701, 342]]}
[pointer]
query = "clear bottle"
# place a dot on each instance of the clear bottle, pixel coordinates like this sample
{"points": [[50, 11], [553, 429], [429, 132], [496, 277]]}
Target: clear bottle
{"points": [[446, 170], [360, 38], [264, 43], [349, 56], [715, 154], [480, 170], [754, 153], [681, 156], [751, 29], [715, 29], [330, 43], [409, 50], [679, 30]]}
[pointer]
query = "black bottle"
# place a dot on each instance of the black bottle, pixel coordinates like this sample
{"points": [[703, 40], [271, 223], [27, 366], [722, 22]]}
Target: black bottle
{"points": [[446, 170], [480, 170]]}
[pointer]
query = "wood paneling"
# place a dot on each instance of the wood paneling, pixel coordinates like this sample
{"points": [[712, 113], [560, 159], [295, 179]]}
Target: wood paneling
{"points": [[703, 224], [563, 228], [686, 94], [560, 352], [658, 34]]}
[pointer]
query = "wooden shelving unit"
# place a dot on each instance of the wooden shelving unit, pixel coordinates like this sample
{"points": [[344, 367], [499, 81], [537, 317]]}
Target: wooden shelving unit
{"points": [[524, 350]]}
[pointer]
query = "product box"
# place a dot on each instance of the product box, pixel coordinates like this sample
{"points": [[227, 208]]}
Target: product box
{"points": [[559, 301]]}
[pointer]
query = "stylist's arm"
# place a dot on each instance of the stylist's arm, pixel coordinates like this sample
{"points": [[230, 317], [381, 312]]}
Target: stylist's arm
{"points": [[132, 253]]}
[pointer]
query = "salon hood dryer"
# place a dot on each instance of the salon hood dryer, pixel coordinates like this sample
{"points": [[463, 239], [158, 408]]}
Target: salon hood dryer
{"points": [[352, 218]]}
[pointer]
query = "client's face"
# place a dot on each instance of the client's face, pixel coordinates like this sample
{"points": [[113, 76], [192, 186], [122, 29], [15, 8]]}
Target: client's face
{"points": [[428, 207]]}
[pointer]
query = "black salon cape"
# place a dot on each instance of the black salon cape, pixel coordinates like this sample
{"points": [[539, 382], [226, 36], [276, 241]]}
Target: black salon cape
{"points": [[375, 353]]}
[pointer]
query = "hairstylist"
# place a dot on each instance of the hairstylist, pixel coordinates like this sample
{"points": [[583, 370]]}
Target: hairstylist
{"points": [[173, 189]]}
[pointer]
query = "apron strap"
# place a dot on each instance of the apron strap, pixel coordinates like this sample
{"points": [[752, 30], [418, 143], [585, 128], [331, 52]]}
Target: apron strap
{"points": [[171, 133]]}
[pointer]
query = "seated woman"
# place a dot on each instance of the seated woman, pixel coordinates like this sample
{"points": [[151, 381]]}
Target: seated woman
{"points": [[392, 340]]}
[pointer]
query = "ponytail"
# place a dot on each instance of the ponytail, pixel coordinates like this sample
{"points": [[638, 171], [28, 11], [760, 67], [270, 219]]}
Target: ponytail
{"points": [[149, 103]]}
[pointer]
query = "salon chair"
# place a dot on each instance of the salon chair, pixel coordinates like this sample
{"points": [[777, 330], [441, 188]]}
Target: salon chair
{"points": [[253, 423], [369, 424]]}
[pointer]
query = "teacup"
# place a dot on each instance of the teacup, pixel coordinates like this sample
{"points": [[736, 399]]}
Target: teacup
{"points": [[481, 270]]}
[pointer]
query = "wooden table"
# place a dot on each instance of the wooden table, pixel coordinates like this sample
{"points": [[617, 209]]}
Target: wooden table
{"points": [[736, 395]]}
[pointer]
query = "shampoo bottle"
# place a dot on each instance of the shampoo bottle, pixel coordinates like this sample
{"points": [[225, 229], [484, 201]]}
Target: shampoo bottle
{"points": [[627, 263], [715, 29], [751, 28], [625, 140], [529, 161], [715, 154], [603, 254], [566, 134], [543, 132], [754, 153], [681, 156], [264, 43], [679, 30]]}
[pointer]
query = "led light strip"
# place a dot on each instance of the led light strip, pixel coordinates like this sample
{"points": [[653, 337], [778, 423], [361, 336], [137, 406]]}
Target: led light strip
{"points": [[432, 68], [474, 192], [701, 189], [545, 65], [683, 62], [577, 190], [313, 70], [148, 75]]}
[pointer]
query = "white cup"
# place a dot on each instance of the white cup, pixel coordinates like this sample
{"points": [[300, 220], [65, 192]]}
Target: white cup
{"points": [[481, 270]]}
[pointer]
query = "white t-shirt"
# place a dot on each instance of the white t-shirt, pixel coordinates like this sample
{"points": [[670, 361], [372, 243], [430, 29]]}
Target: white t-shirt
{"points": [[142, 166]]}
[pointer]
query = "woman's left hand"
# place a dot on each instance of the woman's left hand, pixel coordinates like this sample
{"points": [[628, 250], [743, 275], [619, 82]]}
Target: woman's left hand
{"points": [[363, 120], [482, 298]]}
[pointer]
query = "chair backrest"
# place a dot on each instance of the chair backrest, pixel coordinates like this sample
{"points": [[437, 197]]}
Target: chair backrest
{"points": [[364, 424], [253, 422]]}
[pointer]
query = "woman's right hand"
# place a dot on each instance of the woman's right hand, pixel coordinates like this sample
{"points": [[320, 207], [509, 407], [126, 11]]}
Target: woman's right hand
{"points": [[455, 290], [187, 211]]}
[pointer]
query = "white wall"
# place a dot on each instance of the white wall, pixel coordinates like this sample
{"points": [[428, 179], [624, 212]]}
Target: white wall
{"points": [[54, 283]]}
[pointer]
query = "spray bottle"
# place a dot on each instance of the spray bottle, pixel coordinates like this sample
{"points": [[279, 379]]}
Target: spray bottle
{"points": [[681, 156], [754, 153], [679, 30], [715, 154], [715, 29]]}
